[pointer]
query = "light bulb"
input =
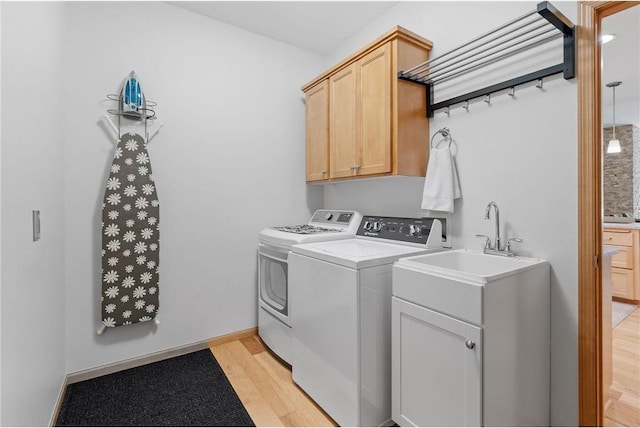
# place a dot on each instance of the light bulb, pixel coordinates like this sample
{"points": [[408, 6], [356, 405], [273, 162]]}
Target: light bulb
{"points": [[606, 38], [614, 146]]}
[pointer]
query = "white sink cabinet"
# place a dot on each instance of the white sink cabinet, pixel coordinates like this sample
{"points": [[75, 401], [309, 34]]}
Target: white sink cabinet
{"points": [[470, 340]]}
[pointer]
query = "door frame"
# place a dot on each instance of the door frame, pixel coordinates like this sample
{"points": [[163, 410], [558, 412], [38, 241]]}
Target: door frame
{"points": [[590, 388]]}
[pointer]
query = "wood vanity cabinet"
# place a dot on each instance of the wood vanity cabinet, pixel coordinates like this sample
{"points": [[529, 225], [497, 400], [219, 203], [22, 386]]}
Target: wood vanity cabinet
{"points": [[362, 120], [625, 265]]}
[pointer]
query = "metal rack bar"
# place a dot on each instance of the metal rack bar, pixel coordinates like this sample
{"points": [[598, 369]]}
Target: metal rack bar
{"points": [[487, 43], [438, 77], [518, 19], [441, 73]]}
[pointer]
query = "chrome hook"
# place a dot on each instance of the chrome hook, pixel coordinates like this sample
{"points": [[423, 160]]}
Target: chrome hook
{"points": [[512, 91], [465, 105], [487, 98], [448, 112], [539, 84]]}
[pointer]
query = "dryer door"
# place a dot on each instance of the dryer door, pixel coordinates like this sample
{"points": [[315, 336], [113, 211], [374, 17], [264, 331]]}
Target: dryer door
{"points": [[273, 280]]}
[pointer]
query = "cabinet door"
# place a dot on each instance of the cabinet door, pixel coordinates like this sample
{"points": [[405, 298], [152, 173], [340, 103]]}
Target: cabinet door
{"points": [[374, 112], [342, 122], [623, 258], [317, 102], [622, 283], [436, 368]]}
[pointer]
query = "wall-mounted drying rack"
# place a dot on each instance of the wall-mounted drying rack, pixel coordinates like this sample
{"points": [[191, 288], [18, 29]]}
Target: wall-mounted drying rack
{"points": [[533, 29]]}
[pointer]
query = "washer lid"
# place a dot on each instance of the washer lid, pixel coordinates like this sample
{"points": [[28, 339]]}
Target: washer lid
{"points": [[286, 239], [358, 253]]}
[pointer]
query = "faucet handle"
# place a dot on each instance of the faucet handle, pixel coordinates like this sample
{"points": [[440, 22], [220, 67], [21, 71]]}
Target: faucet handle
{"points": [[487, 241], [514, 240]]}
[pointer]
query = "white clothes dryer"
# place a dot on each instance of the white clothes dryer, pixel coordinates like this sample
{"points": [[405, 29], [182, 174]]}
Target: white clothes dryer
{"points": [[274, 306], [341, 291]]}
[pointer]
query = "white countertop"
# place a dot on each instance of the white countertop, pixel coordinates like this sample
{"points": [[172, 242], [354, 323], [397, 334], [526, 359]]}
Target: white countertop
{"points": [[610, 251], [621, 225]]}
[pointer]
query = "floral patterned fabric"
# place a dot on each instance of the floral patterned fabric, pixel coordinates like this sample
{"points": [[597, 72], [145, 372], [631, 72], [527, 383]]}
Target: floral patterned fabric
{"points": [[130, 237]]}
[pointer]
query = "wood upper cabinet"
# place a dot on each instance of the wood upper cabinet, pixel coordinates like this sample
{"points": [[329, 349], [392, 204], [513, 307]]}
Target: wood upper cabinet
{"points": [[377, 123], [342, 122], [317, 117], [374, 112]]}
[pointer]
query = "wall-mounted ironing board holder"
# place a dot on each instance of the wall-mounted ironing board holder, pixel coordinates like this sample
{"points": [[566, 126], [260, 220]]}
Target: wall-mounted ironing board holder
{"points": [[145, 114], [150, 131]]}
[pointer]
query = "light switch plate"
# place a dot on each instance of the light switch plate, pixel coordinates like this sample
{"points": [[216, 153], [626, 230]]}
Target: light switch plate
{"points": [[36, 225]]}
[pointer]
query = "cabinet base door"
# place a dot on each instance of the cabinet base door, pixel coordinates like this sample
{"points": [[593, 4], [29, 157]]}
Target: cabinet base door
{"points": [[622, 283], [436, 368]]}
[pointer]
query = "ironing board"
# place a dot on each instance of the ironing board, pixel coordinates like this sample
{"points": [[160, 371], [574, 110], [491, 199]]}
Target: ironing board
{"points": [[130, 237]]}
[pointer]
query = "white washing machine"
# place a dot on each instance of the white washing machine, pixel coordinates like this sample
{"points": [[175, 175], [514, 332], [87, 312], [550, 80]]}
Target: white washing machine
{"points": [[341, 291], [274, 306]]}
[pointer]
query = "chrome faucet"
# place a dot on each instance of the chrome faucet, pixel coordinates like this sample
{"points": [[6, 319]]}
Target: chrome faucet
{"points": [[497, 243], [497, 247]]}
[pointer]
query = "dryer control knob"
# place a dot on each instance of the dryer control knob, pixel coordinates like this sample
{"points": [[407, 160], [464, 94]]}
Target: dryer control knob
{"points": [[414, 230], [377, 226], [367, 225], [328, 216]]}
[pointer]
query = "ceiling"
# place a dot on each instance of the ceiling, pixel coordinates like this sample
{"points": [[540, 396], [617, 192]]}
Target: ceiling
{"points": [[317, 26], [321, 26], [621, 62]]}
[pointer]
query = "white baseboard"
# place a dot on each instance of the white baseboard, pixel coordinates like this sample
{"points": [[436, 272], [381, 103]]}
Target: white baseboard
{"points": [[135, 362], [56, 408]]}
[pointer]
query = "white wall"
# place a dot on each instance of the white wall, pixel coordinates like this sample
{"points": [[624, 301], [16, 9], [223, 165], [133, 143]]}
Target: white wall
{"points": [[0, 216], [521, 153], [228, 162], [32, 166]]}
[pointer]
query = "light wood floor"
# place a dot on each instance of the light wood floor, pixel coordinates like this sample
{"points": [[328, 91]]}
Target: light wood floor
{"points": [[625, 389], [265, 386]]}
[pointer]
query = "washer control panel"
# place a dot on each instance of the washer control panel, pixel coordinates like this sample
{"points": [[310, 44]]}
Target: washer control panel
{"points": [[333, 217], [402, 229]]}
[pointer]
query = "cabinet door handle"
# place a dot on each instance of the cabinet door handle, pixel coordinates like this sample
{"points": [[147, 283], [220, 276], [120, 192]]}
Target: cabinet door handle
{"points": [[470, 344], [323, 172]]}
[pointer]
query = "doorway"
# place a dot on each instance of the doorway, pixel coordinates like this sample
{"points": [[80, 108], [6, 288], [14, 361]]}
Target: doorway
{"points": [[590, 209]]}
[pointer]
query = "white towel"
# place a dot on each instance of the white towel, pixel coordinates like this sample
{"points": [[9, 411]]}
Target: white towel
{"points": [[441, 186]]}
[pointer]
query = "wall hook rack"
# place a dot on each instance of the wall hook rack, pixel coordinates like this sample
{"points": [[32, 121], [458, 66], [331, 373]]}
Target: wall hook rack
{"points": [[533, 29]]}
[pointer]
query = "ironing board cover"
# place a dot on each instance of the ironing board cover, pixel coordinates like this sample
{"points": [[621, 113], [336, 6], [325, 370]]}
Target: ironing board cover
{"points": [[130, 237]]}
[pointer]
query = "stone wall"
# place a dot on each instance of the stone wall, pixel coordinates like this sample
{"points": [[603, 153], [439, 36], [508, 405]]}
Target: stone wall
{"points": [[636, 169], [621, 178]]}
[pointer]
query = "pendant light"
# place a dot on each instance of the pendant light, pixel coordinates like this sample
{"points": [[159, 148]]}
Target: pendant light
{"points": [[614, 144]]}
